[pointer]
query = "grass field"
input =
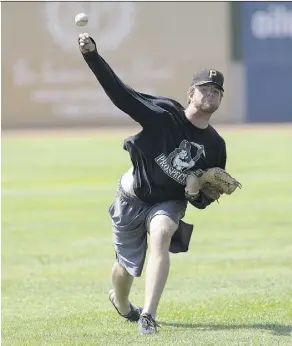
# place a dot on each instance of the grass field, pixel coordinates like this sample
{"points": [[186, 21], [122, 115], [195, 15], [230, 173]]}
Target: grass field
{"points": [[234, 286]]}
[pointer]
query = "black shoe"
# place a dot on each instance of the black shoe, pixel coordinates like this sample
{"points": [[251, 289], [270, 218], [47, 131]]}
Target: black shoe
{"points": [[133, 315], [147, 324]]}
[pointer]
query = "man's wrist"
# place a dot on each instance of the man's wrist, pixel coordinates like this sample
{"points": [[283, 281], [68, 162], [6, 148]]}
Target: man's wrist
{"points": [[192, 196]]}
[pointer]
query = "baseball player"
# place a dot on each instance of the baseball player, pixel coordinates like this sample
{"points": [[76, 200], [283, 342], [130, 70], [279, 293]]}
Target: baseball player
{"points": [[178, 158]]}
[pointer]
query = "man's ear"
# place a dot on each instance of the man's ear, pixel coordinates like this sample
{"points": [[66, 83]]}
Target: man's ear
{"points": [[190, 94]]}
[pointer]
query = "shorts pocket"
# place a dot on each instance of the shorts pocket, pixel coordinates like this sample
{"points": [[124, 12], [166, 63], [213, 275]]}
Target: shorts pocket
{"points": [[127, 215]]}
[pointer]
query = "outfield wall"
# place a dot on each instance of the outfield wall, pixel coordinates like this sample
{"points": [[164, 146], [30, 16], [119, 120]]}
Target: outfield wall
{"points": [[153, 46], [267, 59]]}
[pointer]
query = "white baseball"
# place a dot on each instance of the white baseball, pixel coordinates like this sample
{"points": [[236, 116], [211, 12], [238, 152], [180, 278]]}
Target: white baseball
{"points": [[81, 19]]}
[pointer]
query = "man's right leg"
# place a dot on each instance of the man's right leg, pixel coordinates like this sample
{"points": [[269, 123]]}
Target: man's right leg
{"points": [[130, 238], [122, 282]]}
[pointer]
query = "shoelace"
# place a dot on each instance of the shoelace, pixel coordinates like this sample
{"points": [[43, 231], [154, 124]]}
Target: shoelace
{"points": [[148, 322]]}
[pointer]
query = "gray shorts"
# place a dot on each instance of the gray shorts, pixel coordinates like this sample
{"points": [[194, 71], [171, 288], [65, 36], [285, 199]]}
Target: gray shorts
{"points": [[130, 222]]}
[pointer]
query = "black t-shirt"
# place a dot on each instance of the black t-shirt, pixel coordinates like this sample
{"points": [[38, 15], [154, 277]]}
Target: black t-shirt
{"points": [[168, 146]]}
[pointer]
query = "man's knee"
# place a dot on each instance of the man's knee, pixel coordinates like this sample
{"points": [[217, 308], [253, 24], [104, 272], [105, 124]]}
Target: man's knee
{"points": [[120, 270], [162, 227]]}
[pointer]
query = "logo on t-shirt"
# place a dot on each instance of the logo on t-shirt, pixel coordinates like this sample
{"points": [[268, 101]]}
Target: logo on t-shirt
{"points": [[180, 160]]}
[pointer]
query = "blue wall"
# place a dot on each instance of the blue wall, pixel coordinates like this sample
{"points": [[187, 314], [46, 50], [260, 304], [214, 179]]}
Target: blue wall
{"points": [[267, 59]]}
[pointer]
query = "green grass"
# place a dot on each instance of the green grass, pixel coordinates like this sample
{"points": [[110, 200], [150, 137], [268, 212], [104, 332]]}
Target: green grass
{"points": [[233, 287]]}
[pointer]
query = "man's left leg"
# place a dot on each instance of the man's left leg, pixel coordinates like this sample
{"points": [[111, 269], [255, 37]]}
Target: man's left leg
{"points": [[161, 230], [163, 224]]}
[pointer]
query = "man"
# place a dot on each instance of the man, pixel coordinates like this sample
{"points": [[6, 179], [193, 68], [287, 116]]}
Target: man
{"points": [[152, 196]]}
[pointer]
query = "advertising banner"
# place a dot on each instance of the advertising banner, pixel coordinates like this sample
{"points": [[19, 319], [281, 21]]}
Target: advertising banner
{"points": [[153, 47], [267, 59]]}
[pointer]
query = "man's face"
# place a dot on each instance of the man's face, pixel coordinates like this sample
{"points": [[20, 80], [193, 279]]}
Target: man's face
{"points": [[206, 98]]}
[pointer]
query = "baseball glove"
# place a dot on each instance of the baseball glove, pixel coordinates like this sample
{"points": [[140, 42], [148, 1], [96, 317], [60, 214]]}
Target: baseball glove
{"points": [[216, 181], [211, 192]]}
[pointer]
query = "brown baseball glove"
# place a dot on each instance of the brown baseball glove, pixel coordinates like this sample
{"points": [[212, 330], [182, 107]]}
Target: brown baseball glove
{"points": [[216, 181], [211, 192]]}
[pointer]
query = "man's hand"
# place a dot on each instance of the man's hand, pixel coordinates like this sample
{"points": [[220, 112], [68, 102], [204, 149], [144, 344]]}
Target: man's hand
{"points": [[216, 179], [213, 182], [193, 185], [86, 45]]}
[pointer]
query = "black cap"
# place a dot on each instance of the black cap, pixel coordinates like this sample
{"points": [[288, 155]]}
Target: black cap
{"points": [[209, 76]]}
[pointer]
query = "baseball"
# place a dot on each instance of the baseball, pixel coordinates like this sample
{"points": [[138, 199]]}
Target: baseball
{"points": [[81, 19]]}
